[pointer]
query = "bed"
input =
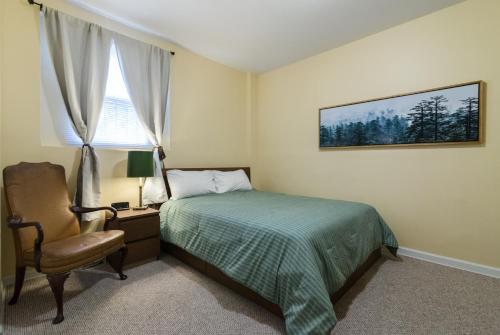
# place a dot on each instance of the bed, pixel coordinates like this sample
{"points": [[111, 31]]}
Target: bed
{"points": [[293, 255]]}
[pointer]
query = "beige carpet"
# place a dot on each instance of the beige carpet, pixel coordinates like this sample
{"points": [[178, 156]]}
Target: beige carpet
{"points": [[168, 297]]}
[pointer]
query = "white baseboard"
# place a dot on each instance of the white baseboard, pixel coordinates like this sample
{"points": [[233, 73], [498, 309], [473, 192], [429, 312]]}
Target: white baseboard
{"points": [[10, 280], [451, 262], [413, 253]]}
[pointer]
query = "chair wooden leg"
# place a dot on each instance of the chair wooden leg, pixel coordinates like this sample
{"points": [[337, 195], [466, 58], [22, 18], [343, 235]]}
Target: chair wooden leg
{"points": [[56, 282], [123, 255], [117, 260], [20, 271]]}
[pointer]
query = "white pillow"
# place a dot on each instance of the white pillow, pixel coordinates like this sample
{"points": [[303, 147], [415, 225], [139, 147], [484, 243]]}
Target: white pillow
{"points": [[231, 181], [185, 184]]}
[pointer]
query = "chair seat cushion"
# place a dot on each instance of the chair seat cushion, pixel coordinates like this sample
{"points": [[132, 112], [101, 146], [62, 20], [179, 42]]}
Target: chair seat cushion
{"points": [[73, 252]]}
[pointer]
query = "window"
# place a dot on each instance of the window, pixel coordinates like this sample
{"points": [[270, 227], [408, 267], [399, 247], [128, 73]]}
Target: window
{"points": [[118, 125]]}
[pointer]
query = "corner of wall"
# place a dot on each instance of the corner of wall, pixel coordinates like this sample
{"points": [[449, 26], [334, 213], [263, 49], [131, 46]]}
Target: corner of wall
{"points": [[251, 113]]}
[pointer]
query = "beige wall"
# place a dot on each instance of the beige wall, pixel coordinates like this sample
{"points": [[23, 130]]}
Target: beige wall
{"points": [[2, 31], [439, 200], [209, 110]]}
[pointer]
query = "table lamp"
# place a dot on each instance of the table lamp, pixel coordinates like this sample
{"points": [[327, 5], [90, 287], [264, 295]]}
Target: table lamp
{"points": [[140, 165]]}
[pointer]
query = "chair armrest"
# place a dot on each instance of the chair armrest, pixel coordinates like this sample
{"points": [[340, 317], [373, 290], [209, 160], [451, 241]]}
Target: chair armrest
{"points": [[15, 222], [81, 210]]}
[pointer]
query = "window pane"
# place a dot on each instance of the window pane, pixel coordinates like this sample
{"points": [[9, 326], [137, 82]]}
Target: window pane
{"points": [[118, 124]]}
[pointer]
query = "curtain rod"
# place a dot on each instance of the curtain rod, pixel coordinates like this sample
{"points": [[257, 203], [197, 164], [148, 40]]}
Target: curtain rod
{"points": [[32, 2], [39, 4]]}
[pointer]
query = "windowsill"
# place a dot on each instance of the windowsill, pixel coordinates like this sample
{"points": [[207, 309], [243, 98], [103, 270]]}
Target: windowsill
{"points": [[104, 147], [99, 147]]}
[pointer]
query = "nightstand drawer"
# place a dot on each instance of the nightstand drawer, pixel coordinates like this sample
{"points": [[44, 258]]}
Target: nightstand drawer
{"points": [[138, 228], [143, 250], [142, 234]]}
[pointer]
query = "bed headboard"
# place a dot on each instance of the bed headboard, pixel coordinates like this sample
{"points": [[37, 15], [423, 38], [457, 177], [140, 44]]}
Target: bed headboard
{"points": [[246, 169]]}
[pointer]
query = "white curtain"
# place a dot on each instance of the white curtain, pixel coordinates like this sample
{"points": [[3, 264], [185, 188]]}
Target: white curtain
{"points": [[79, 52], [146, 71]]}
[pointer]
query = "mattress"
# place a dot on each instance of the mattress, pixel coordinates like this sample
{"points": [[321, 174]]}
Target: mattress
{"points": [[294, 251]]}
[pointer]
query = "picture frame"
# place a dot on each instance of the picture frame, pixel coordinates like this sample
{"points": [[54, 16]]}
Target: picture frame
{"points": [[449, 115]]}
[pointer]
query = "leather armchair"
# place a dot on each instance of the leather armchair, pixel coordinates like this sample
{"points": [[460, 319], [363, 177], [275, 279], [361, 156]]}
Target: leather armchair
{"points": [[46, 228]]}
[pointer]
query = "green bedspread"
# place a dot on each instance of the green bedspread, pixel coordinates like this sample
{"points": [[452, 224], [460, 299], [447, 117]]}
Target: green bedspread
{"points": [[294, 251]]}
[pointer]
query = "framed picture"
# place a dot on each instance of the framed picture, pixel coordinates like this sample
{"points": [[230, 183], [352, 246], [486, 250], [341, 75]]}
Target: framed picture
{"points": [[446, 115]]}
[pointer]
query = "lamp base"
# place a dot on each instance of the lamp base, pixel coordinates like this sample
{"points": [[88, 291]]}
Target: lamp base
{"points": [[139, 208]]}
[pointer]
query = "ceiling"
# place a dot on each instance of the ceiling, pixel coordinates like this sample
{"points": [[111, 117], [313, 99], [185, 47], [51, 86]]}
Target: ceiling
{"points": [[261, 35]]}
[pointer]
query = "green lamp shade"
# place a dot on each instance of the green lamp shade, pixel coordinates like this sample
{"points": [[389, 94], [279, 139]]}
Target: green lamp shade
{"points": [[140, 164]]}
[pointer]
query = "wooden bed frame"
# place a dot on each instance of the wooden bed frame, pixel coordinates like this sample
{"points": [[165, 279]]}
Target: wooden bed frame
{"points": [[219, 276]]}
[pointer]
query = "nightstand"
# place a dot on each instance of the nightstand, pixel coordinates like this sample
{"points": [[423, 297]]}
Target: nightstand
{"points": [[142, 234]]}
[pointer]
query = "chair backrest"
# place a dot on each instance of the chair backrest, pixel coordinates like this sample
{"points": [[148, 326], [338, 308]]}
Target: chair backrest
{"points": [[38, 192]]}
